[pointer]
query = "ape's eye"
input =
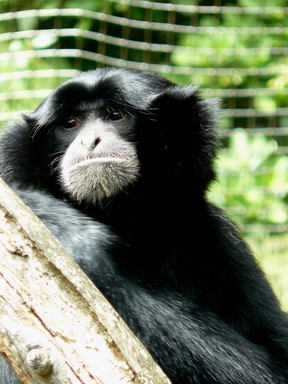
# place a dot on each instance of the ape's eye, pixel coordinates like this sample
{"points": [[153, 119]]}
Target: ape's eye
{"points": [[72, 122], [115, 114]]}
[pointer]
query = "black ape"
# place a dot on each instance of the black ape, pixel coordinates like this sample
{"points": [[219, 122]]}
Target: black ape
{"points": [[125, 159]]}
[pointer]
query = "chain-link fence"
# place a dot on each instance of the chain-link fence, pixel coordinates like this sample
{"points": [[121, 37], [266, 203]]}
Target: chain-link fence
{"points": [[236, 52]]}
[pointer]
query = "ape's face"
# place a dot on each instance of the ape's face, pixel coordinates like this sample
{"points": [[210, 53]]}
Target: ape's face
{"points": [[101, 157]]}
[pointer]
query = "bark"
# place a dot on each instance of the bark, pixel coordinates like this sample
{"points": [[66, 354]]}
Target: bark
{"points": [[55, 326]]}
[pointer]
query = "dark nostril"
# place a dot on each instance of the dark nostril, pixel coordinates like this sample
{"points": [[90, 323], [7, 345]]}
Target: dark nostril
{"points": [[96, 142]]}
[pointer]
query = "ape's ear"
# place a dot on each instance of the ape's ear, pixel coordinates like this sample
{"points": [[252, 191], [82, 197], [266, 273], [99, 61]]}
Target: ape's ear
{"points": [[188, 131], [184, 112], [21, 146], [18, 158], [43, 116]]}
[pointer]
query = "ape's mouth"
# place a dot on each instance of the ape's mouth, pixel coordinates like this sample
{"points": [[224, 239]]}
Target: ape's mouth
{"points": [[100, 159]]}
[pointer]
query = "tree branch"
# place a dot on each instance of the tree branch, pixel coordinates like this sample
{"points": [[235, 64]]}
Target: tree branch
{"points": [[54, 323]]}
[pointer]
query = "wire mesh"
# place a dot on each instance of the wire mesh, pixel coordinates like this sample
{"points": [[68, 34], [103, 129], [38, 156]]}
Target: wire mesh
{"points": [[237, 53]]}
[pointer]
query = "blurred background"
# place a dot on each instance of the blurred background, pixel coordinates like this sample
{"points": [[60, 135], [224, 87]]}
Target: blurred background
{"points": [[235, 50]]}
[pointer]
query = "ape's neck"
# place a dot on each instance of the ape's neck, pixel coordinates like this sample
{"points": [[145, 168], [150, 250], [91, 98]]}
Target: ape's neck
{"points": [[145, 214]]}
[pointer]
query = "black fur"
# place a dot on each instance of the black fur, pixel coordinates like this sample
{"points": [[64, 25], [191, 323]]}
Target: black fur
{"points": [[171, 263]]}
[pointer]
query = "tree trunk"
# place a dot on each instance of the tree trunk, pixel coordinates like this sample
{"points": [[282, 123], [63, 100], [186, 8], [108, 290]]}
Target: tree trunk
{"points": [[55, 326]]}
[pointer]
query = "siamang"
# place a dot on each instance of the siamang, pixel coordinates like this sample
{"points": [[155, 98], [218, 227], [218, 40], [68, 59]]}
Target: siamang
{"points": [[117, 164]]}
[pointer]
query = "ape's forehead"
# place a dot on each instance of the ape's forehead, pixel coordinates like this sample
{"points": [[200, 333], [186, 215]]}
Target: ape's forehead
{"points": [[121, 86]]}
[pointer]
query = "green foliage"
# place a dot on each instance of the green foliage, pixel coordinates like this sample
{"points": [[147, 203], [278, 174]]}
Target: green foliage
{"points": [[227, 43], [254, 177], [271, 252]]}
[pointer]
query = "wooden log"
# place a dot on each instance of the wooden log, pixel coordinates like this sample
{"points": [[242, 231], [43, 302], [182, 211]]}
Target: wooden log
{"points": [[55, 326]]}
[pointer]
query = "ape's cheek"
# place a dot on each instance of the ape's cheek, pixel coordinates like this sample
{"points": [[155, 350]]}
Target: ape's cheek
{"points": [[94, 179]]}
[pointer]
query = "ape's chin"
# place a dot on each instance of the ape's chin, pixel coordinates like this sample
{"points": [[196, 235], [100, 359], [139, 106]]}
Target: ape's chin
{"points": [[95, 179]]}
